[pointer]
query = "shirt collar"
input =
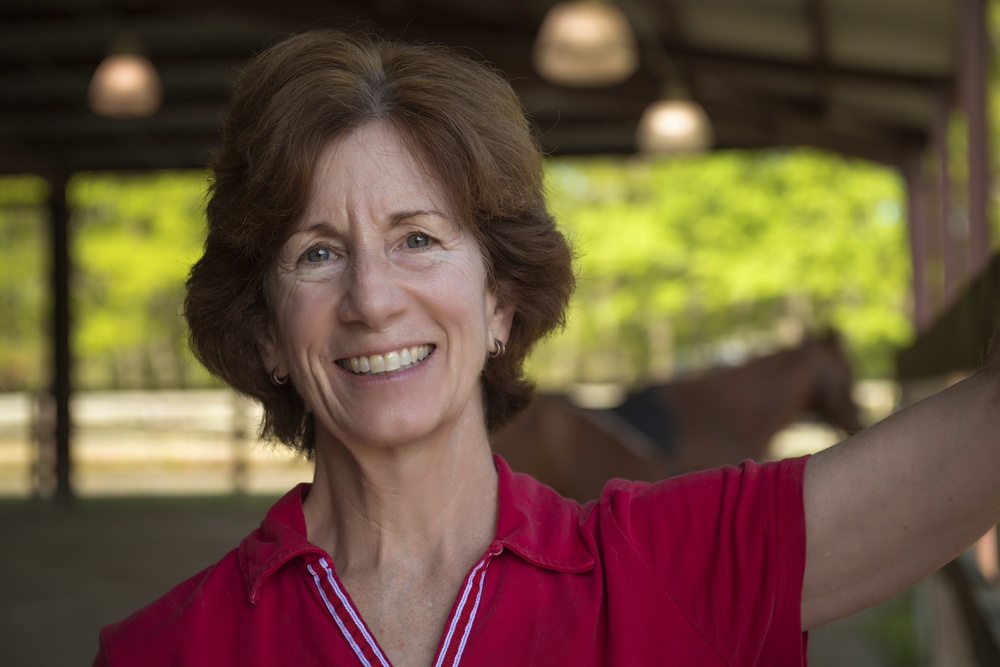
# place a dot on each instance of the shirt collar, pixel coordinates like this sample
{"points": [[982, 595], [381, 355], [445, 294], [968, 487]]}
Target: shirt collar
{"points": [[533, 521], [539, 525], [280, 537]]}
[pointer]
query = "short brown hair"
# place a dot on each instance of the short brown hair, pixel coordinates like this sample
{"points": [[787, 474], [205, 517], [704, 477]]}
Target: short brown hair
{"points": [[288, 103]]}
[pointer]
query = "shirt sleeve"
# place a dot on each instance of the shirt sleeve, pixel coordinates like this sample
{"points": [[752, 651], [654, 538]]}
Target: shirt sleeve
{"points": [[728, 545]]}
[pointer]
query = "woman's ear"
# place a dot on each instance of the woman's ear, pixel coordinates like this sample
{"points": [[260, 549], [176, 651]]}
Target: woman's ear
{"points": [[267, 347], [502, 320]]}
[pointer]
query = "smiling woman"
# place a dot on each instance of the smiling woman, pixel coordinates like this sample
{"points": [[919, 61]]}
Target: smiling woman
{"points": [[379, 262]]}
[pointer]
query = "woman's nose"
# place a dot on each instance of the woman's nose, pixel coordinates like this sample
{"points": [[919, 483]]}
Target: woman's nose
{"points": [[373, 294]]}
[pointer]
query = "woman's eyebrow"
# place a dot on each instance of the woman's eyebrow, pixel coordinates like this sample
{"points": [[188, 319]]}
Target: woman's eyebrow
{"points": [[320, 226], [395, 219], [402, 216]]}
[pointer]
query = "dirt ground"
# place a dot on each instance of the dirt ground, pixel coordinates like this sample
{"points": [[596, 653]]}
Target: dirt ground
{"points": [[65, 572]]}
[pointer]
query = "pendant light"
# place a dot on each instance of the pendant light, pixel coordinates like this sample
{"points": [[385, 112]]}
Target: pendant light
{"points": [[585, 44], [125, 84], [674, 125]]}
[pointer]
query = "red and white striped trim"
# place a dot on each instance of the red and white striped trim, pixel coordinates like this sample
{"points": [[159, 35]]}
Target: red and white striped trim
{"points": [[361, 640], [449, 655], [348, 620]]}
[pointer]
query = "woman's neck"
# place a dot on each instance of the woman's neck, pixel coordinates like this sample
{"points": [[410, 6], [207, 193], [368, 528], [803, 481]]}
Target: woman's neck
{"points": [[418, 505]]}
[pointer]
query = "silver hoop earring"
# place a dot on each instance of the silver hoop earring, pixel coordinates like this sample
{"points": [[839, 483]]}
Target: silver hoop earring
{"points": [[498, 349], [278, 380]]}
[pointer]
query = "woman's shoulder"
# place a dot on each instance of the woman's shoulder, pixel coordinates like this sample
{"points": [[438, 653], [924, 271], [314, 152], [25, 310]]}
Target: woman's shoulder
{"points": [[749, 482]]}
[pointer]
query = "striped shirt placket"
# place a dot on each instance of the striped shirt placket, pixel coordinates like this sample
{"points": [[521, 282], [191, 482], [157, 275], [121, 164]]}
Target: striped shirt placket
{"points": [[364, 645], [347, 619]]}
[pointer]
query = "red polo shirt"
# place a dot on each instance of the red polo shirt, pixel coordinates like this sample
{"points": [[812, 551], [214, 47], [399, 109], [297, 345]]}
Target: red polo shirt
{"points": [[704, 569]]}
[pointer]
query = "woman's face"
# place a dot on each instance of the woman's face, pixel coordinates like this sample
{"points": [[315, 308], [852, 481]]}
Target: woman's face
{"points": [[382, 316]]}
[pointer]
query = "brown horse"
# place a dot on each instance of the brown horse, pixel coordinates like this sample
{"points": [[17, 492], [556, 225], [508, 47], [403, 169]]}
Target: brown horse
{"points": [[723, 417]]}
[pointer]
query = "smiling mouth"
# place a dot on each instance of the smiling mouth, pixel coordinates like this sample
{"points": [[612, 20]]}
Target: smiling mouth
{"points": [[388, 362]]}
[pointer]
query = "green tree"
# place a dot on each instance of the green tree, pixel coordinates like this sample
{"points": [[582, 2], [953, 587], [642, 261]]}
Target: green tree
{"points": [[135, 238], [24, 284], [680, 254]]}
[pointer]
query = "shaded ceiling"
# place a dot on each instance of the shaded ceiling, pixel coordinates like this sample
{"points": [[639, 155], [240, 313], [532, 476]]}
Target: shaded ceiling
{"points": [[861, 77]]}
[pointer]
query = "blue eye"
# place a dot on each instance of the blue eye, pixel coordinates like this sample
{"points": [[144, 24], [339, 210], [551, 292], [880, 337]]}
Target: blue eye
{"points": [[417, 240], [318, 255]]}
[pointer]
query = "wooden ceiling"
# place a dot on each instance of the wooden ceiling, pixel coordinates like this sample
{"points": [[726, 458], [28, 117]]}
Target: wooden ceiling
{"points": [[861, 77]]}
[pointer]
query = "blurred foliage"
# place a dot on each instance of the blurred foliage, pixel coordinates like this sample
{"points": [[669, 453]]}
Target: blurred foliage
{"points": [[24, 290], [135, 239], [679, 258]]}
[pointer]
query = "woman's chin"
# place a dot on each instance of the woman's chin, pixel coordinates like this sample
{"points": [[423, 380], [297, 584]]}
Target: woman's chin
{"points": [[387, 435]]}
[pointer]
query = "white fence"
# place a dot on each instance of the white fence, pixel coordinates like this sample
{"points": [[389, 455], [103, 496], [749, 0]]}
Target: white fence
{"points": [[149, 442]]}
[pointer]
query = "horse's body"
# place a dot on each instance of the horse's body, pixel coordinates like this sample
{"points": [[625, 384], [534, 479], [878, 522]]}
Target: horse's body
{"points": [[726, 416]]}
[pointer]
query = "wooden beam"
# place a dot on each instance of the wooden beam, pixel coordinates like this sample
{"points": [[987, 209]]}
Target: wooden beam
{"points": [[957, 341], [722, 59]]}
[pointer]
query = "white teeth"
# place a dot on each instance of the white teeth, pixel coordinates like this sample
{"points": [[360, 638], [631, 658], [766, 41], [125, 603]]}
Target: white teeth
{"points": [[391, 361]]}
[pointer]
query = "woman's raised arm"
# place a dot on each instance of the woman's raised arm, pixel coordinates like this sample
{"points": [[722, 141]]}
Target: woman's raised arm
{"points": [[899, 500]]}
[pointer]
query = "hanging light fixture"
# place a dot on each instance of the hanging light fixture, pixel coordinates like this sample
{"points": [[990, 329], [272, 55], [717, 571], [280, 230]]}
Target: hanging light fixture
{"points": [[125, 84], [675, 123], [585, 44], [672, 125]]}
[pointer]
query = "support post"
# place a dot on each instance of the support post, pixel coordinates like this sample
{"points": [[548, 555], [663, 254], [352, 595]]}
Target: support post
{"points": [[951, 279], [917, 216], [973, 77], [61, 385]]}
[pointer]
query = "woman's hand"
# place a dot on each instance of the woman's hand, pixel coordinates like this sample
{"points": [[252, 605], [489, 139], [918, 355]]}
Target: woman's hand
{"points": [[899, 500]]}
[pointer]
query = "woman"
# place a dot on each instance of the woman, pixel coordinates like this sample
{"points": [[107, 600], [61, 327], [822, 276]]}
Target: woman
{"points": [[378, 265]]}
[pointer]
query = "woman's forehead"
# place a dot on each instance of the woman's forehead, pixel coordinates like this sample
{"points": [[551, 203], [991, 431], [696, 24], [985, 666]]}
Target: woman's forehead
{"points": [[374, 168]]}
